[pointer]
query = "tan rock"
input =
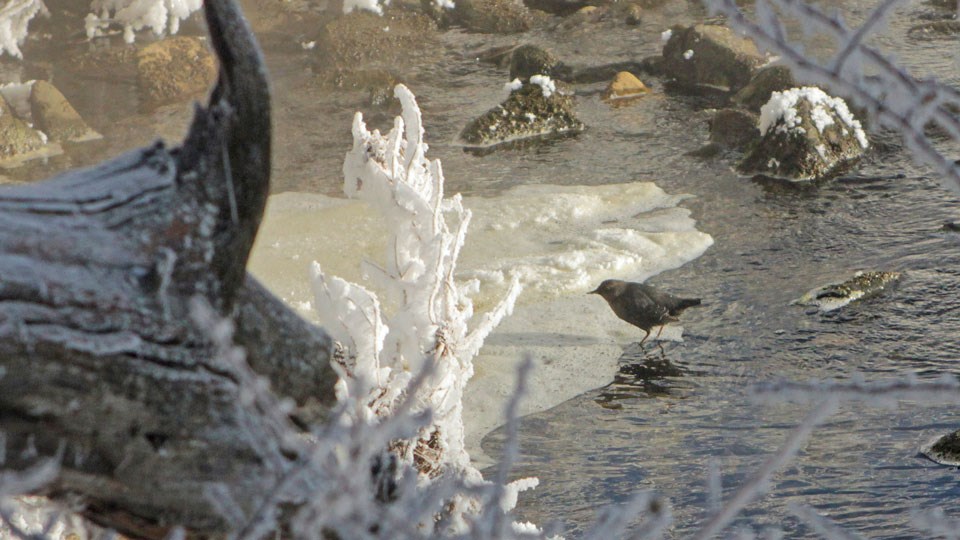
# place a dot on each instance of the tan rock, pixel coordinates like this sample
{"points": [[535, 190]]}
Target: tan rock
{"points": [[53, 115], [174, 69], [624, 85]]}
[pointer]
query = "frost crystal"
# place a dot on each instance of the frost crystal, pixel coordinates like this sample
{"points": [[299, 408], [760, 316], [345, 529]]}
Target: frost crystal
{"points": [[546, 84], [369, 5], [160, 16], [14, 18], [688, 54], [782, 106], [665, 35]]}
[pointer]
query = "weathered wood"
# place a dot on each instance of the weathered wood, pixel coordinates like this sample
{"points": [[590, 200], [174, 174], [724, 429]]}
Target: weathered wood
{"points": [[99, 358]]}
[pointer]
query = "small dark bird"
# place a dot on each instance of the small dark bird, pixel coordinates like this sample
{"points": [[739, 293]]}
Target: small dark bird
{"points": [[641, 305]]}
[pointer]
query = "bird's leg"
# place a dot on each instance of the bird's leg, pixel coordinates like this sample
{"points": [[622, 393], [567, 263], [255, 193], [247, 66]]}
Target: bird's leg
{"points": [[660, 332], [663, 353], [644, 337]]}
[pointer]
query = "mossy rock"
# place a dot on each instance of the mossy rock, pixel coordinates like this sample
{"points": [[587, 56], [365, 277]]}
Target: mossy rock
{"points": [[16, 137], [525, 114], [945, 450], [935, 29], [837, 295], [529, 60], [490, 16], [174, 69], [764, 83]]}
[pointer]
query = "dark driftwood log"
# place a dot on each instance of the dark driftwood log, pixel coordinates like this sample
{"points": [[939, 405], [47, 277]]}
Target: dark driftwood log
{"points": [[99, 358]]}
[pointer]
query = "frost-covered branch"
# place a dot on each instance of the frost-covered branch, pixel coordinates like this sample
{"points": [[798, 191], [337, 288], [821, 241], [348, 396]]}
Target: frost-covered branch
{"points": [[944, 390], [17, 483], [760, 482], [429, 320], [133, 15], [15, 16], [891, 96], [937, 524], [820, 524]]}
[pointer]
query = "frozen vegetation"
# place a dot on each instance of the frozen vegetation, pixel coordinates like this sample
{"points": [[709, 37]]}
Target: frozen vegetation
{"points": [[428, 330], [15, 15]]}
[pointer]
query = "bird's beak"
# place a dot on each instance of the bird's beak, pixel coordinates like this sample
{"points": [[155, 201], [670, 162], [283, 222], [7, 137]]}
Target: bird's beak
{"points": [[595, 291]]}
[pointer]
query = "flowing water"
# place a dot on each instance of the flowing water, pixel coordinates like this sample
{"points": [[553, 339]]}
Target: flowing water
{"points": [[619, 418]]}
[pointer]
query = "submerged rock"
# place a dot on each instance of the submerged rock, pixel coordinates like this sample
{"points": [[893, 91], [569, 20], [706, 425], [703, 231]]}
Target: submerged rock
{"points": [[489, 16], [529, 60], [935, 29], [530, 111], [625, 85], [837, 295], [54, 115], [361, 40], [951, 226], [734, 128], [944, 450], [632, 14], [557, 7], [805, 135], [766, 81], [173, 69], [606, 72], [709, 57]]}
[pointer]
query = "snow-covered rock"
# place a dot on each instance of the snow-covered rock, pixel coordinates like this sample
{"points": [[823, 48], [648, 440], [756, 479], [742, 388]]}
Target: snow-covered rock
{"points": [[805, 135], [535, 109]]}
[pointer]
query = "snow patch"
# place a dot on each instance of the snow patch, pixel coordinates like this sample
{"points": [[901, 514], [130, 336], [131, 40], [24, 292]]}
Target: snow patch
{"points": [[547, 86]]}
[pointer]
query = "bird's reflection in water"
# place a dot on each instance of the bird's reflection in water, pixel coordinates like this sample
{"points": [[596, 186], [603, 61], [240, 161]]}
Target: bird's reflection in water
{"points": [[645, 372]]}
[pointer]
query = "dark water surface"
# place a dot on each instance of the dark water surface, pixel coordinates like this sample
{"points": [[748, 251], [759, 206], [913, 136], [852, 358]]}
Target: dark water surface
{"points": [[666, 417]]}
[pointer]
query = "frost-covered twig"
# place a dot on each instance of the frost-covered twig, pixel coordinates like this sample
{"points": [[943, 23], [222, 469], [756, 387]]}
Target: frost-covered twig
{"points": [[820, 524], [937, 524], [15, 16], [16, 483], [133, 15], [759, 483], [944, 390], [892, 97]]}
